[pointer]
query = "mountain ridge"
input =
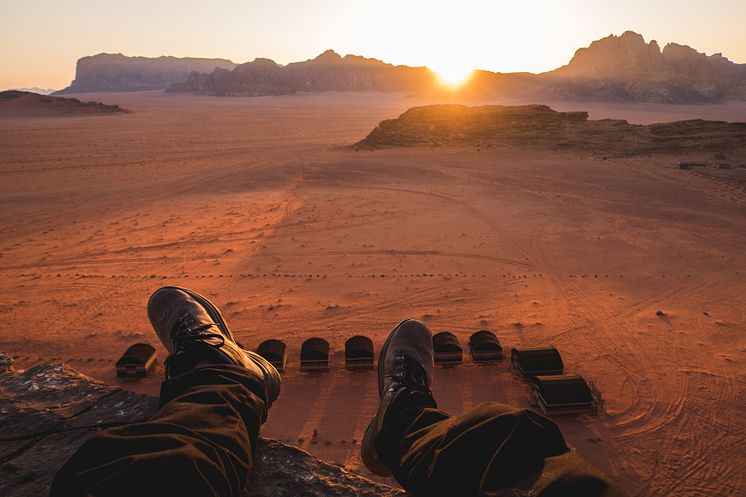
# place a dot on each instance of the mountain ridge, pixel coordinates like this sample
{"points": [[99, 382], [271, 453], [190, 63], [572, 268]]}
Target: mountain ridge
{"points": [[623, 68]]}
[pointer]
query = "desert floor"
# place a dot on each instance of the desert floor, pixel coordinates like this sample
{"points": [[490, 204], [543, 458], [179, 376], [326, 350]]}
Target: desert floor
{"points": [[255, 203]]}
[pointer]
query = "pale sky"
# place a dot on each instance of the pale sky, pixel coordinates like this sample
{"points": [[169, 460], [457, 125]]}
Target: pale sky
{"points": [[40, 40]]}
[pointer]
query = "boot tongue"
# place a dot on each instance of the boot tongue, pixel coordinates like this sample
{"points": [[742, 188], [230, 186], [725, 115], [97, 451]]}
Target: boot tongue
{"points": [[193, 354]]}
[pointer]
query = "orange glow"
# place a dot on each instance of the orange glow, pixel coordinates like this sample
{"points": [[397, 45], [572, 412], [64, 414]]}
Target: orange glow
{"points": [[454, 75]]}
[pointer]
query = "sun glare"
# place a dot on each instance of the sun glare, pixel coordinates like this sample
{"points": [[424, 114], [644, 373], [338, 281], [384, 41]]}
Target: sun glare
{"points": [[453, 75]]}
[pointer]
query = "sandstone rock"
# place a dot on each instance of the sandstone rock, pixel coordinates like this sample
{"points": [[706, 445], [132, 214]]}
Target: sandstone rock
{"points": [[540, 127], [47, 411], [117, 72], [625, 68]]}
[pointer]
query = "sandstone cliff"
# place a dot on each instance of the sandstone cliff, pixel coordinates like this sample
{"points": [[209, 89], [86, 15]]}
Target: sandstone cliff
{"points": [[627, 68], [48, 411], [117, 72]]}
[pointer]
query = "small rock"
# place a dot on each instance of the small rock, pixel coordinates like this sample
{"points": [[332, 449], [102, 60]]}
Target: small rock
{"points": [[6, 362]]}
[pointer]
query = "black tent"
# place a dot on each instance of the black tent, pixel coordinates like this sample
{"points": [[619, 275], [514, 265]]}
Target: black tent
{"points": [[275, 352], [447, 349], [485, 346], [314, 355], [359, 352], [564, 394], [136, 360], [537, 361]]}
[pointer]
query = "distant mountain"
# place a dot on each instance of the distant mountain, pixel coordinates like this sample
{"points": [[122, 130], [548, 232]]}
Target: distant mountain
{"points": [[328, 71], [14, 103], [117, 72], [626, 68], [40, 91], [617, 68]]}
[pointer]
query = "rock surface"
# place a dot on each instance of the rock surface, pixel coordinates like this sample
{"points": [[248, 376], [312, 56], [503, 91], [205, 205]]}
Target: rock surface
{"points": [[538, 126], [26, 104], [47, 411], [117, 72]]}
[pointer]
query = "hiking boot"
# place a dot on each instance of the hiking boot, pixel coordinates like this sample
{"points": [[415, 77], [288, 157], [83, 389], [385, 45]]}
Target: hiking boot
{"points": [[405, 367], [195, 333]]}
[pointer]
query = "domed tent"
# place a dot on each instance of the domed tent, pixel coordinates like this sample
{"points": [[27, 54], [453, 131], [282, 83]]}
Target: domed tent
{"points": [[485, 346], [447, 349], [537, 361], [275, 352], [564, 394], [359, 352], [314, 355], [136, 360]]}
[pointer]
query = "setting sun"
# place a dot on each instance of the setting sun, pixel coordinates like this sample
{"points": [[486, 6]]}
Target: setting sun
{"points": [[453, 75]]}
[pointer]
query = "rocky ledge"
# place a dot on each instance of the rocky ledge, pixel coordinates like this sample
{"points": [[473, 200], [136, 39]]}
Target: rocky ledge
{"points": [[47, 411]]}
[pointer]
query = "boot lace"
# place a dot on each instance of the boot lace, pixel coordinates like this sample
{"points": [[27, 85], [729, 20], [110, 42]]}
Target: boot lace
{"points": [[408, 373], [187, 329]]}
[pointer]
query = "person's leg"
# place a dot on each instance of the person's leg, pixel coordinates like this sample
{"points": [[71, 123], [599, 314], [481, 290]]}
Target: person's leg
{"points": [[201, 442], [484, 452], [203, 439], [489, 450]]}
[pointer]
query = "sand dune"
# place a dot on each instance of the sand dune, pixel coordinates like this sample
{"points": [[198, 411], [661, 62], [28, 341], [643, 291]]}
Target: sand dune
{"points": [[261, 204]]}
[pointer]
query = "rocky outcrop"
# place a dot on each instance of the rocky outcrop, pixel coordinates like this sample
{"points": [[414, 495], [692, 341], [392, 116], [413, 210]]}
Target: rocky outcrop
{"points": [[117, 72], [540, 127], [47, 411], [14, 103], [626, 68], [328, 71]]}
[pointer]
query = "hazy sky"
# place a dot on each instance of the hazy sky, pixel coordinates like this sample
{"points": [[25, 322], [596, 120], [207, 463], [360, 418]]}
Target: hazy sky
{"points": [[40, 40]]}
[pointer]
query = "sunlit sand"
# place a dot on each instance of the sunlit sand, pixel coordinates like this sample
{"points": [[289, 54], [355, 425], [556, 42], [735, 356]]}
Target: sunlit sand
{"points": [[259, 204]]}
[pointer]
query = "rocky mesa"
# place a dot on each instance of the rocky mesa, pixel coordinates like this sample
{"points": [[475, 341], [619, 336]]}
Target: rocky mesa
{"points": [[14, 103], [116, 72], [540, 127]]}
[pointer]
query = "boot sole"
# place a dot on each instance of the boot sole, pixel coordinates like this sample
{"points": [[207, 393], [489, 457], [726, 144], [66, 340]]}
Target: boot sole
{"points": [[273, 381], [367, 446]]}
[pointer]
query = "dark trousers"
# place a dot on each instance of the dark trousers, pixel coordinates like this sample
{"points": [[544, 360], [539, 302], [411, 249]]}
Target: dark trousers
{"points": [[200, 443], [490, 450], [203, 439]]}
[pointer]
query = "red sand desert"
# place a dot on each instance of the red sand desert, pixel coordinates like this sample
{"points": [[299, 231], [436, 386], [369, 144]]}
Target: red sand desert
{"points": [[256, 203]]}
